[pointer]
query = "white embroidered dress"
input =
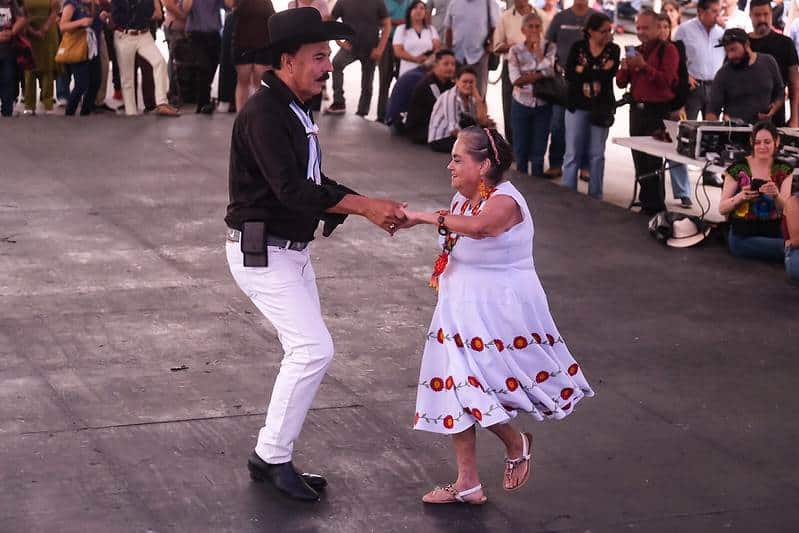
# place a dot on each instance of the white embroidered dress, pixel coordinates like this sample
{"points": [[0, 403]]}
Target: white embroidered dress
{"points": [[493, 349]]}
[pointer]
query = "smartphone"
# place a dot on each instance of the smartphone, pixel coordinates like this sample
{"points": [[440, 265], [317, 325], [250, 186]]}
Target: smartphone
{"points": [[630, 50], [757, 183]]}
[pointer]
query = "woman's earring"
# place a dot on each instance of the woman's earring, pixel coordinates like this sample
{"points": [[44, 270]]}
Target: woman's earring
{"points": [[485, 191]]}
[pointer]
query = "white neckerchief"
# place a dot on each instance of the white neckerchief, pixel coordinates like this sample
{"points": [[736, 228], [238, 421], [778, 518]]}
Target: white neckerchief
{"points": [[314, 170]]}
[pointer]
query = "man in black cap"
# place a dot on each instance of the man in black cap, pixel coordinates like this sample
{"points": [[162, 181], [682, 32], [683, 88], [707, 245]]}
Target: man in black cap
{"points": [[749, 86], [278, 196]]}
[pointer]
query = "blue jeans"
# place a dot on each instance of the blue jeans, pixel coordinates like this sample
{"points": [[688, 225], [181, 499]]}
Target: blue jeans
{"points": [[8, 85], [680, 183], [584, 138], [792, 262], [530, 127], [557, 140], [764, 248], [62, 85]]}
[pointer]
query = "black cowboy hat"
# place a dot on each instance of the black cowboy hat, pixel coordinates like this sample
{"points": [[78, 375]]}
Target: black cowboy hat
{"points": [[300, 26]]}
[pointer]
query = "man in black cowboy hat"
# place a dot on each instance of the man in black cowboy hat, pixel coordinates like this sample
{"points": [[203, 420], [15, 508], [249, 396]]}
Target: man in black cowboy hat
{"points": [[278, 196]]}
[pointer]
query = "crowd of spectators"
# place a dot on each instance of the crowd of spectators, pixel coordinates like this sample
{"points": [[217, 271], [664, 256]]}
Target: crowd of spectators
{"points": [[731, 61]]}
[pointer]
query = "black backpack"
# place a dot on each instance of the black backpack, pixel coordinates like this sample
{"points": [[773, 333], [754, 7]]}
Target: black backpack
{"points": [[681, 86]]}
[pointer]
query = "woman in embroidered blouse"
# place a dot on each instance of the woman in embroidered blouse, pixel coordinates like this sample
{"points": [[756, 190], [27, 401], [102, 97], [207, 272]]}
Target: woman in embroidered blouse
{"points": [[415, 41], [590, 68], [755, 192], [529, 62], [492, 350]]}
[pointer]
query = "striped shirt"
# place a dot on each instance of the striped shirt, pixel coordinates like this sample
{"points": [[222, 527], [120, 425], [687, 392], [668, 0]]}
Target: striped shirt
{"points": [[446, 114]]}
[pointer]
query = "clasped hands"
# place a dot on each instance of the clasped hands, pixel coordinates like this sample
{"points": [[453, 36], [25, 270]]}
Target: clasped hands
{"points": [[393, 216]]}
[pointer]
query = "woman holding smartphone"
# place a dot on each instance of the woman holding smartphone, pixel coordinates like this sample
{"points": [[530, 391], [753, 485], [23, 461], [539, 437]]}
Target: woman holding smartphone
{"points": [[753, 201]]}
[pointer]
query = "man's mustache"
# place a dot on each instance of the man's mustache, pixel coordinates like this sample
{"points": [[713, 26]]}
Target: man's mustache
{"points": [[324, 77]]}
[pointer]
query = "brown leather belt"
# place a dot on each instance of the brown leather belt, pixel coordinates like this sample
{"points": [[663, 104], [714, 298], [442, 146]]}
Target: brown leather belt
{"points": [[132, 32]]}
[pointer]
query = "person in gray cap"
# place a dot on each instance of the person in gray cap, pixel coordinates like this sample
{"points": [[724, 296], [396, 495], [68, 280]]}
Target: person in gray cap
{"points": [[278, 196], [749, 86]]}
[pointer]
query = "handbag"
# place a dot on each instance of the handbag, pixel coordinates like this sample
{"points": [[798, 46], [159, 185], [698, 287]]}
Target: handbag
{"points": [[553, 89], [493, 59], [73, 48], [23, 51]]}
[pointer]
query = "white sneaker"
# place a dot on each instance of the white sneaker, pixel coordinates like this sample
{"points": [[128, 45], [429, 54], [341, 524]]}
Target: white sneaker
{"points": [[61, 102], [28, 112]]}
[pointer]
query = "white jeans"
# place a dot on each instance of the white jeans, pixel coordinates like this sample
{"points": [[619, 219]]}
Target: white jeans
{"points": [[127, 46], [285, 292]]}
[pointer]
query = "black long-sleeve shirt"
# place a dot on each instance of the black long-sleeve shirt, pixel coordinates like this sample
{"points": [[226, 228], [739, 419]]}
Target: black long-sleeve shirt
{"points": [[268, 178], [421, 107], [593, 82]]}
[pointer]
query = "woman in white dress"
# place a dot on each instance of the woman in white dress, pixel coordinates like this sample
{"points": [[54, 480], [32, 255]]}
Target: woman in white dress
{"points": [[415, 41], [493, 349]]}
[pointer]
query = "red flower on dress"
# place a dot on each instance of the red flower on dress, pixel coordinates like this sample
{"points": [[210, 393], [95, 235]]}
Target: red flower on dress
{"points": [[520, 343], [437, 384], [536, 338], [512, 384], [474, 382], [499, 345], [477, 414], [573, 369], [449, 422], [440, 336], [566, 393], [477, 344], [458, 340], [450, 383], [416, 419], [542, 376], [550, 339]]}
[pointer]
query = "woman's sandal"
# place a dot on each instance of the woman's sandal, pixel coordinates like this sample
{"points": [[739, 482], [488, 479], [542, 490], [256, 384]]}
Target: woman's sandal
{"points": [[449, 494], [525, 461]]}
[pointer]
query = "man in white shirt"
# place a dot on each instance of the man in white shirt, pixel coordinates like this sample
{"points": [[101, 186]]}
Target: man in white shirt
{"points": [[437, 9], [507, 34], [469, 24], [700, 37], [732, 17]]}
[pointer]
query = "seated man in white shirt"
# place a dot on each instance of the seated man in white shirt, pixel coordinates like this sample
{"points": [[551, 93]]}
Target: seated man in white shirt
{"points": [[457, 108]]}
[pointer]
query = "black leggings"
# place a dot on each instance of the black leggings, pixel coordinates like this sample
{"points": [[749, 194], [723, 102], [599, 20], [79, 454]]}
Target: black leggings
{"points": [[87, 83]]}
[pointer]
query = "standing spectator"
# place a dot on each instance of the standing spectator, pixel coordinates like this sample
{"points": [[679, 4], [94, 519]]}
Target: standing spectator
{"points": [[131, 37], [249, 40], [469, 33], [793, 33], [226, 86], [437, 11], [372, 25], [507, 34], [529, 62], [565, 30], [777, 15], [12, 22], [765, 40], [456, 109], [397, 12], [749, 86], [425, 95], [673, 10], [732, 17], [548, 12], [42, 18], [592, 64], [652, 74], [174, 32], [319, 5], [752, 201], [77, 16], [105, 57], [204, 24], [415, 41]]}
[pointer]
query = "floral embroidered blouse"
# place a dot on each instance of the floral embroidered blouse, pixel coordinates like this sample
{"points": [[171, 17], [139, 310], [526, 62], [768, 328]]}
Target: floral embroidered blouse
{"points": [[522, 61], [758, 217]]}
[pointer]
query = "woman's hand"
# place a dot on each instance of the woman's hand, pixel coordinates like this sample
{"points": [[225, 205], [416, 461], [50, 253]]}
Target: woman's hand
{"points": [[414, 218], [769, 189], [745, 194], [85, 22]]}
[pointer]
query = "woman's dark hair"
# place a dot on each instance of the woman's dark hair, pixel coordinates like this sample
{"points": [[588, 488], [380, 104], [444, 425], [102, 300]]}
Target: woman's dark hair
{"points": [[466, 70], [484, 143], [663, 17], [769, 127], [408, 14], [595, 22]]}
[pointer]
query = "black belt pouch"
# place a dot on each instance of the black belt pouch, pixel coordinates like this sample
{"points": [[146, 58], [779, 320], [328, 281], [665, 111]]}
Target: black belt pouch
{"points": [[253, 244]]}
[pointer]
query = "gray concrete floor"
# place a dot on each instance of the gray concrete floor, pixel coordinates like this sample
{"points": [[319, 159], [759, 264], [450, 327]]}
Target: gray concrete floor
{"points": [[112, 274]]}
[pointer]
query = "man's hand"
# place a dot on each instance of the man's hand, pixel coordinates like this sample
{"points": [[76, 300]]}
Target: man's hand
{"points": [[387, 214], [637, 61], [692, 83]]}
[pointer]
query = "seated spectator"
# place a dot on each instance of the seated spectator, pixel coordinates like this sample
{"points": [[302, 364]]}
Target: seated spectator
{"points": [[790, 229], [415, 41], [590, 70], [397, 110], [425, 95], [748, 86], [529, 62], [732, 17], [77, 16], [456, 109], [751, 198], [204, 26], [12, 22]]}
